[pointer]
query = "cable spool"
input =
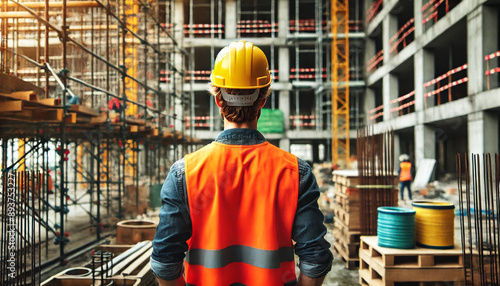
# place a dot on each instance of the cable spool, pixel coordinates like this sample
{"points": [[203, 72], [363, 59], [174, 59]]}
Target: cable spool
{"points": [[434, 224], [396, 227]]}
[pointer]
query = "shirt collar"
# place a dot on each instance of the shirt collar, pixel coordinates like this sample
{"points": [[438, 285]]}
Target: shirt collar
{"points": [[240, 136]]}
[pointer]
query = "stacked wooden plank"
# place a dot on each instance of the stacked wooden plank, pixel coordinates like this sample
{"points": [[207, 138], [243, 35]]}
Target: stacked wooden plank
{"points": [[128, 266], [349, 216], [25, 106], [347, 220], [389, 266]]}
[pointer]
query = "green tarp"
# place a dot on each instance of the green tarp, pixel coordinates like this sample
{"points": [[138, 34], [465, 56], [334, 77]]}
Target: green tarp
{"points": [[270, 121]]}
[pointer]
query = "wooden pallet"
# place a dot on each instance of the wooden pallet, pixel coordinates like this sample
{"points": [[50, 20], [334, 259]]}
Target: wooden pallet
{"points": [[346, 177], [350, 249], [349, 235], [351, 220], [388, 266], [350, 263]]}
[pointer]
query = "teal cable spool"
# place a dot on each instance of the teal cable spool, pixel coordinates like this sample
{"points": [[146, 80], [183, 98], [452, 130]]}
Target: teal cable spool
{"points": [[396, 227]]}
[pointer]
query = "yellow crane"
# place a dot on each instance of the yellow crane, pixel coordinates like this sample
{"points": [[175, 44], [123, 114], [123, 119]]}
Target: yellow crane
{"points": [[340, 81]]}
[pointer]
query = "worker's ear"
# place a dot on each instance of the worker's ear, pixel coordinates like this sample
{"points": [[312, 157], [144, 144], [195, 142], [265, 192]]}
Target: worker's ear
{"points": [[262, 102], [218, 101]]}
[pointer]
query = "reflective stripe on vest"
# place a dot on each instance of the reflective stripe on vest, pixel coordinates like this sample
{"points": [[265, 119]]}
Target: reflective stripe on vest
{"points": [[405, 174], [242, 201]]}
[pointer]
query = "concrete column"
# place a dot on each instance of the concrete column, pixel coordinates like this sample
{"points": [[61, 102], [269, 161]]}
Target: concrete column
{"points": [[397, 150], [285, 144], [390, 91], [369, 102], [425, 143], [475, 59], [230, 21], [283, 17], [490, 39], [369, 50], [284, 64], [483, 132], [417, 12], [389, 28], [424, 71], [179, 21], [284, 106], [178, 61]]}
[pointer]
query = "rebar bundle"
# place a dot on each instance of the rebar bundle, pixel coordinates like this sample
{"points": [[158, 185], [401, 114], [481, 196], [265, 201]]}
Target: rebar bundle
{"points": [[20, 204], [376, 172], [479, 201]]}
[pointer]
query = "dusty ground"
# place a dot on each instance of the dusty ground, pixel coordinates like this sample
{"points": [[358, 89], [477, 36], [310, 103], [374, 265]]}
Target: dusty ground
{"points": [[339, 275]]}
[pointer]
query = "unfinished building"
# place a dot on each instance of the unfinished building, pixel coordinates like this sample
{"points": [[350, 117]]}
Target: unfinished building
{"points": [[432, 76], [297, 37]]}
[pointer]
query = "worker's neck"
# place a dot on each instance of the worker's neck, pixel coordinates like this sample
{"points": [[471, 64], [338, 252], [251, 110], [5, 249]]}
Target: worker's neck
{"points": [[230, 125]]}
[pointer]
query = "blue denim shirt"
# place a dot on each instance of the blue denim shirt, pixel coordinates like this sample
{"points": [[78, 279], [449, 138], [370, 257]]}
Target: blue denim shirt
{"points": [[174, 228]]}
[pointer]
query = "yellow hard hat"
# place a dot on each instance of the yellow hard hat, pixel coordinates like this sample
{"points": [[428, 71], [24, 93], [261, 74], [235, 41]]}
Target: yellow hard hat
{"points": [[241, 65]]}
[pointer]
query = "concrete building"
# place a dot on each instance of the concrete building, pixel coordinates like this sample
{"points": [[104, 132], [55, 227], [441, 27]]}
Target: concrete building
{"points": [[435, 82]]}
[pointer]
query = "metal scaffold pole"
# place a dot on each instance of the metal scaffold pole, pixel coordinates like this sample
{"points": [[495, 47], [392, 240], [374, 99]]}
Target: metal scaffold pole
{"points": [[84, 124]]}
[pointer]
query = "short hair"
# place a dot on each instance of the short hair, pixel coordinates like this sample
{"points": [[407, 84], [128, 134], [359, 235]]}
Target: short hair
{"points": [[239, 114]]}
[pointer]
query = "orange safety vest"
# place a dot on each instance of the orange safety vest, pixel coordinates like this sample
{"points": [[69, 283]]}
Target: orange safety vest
{"points": [[405, 174], [242, 202]]}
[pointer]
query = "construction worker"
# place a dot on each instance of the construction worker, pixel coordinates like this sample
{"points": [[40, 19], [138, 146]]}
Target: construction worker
{"points": [[406, 172], [235, 205]]}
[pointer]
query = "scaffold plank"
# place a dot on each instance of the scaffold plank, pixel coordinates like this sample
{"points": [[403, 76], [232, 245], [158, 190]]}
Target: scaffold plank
{"points": [[10, 106]]}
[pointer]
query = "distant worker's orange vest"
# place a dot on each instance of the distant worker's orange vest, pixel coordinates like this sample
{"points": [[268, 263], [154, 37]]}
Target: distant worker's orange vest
{"points": [[242, 201], [405, 174]]}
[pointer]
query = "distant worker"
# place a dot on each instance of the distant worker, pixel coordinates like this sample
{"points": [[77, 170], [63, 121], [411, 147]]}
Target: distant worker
{"points": [[235, 205], [406, 172]]}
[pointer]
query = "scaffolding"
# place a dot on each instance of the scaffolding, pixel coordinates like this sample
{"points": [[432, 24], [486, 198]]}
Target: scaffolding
{"points": [[83, 102]]}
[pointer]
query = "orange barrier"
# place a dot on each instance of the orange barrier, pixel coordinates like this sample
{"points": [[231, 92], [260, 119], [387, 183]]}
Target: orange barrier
{"points": [[430, 12], [373, 10], [447, 86], [256, 27], [204, 121], [305, 25], [377, 112], [375, 61], [395, 40], [399, 101], [306, 73], [488, 70], [303, 120]]}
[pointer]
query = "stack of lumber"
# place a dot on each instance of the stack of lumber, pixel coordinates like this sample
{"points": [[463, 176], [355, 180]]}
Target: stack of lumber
{"points": [[129, 266], [389, 266], [349, 222], [25, 106], [17, 109]]}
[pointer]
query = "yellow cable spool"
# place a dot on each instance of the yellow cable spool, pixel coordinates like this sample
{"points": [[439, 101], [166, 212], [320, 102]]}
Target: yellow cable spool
{"points": [[434, 224]]}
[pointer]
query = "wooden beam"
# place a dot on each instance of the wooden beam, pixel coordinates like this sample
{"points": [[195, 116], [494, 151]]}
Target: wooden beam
{"points": [[20, 95], [98, 120], [70, 118], [10, 106], [50, 101], [25, 95], [133, 128], [22, 14], [71, 28], [48, 115], [69, 4], [81, 109]]}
